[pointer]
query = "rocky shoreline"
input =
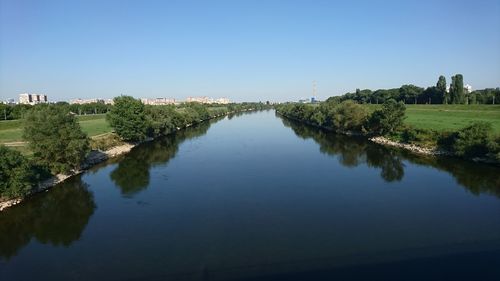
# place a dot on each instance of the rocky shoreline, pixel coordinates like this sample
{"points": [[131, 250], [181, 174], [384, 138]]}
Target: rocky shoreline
{"points": [[410, 147]]}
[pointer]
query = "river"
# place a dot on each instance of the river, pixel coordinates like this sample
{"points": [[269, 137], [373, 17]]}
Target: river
{"points": [[258, 197]]}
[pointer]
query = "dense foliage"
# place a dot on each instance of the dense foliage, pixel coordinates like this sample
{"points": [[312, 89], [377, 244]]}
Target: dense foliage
{"points": [[475, 140], [411, 94], [13, 111], [388, 119], [457, 94], [55, 137], [128, 118], [134, 121], [17, 175], [348, 116]]}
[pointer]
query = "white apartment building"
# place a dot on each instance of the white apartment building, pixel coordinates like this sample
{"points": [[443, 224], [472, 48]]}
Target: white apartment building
{"points": [[32, 99], [158, 101]]}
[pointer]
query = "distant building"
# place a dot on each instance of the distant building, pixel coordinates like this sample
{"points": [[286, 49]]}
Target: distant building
{"points": [[199, 99], [208, 100], [222, 101], [158, 101], [32, 99], [86, 101]]}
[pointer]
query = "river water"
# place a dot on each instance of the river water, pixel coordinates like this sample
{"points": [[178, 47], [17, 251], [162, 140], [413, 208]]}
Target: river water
{"points": [[258, 197]]}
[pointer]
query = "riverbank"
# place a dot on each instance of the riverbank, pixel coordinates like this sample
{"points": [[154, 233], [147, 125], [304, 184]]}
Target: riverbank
{"points": [[93, 158], [406, 146]]}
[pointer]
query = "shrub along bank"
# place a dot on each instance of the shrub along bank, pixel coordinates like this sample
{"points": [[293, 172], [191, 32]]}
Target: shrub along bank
{"points": [[474, 141], [60, 146]]}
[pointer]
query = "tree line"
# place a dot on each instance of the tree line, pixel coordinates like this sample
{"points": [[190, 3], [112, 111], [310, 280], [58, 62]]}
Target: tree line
{"points": [[474, 140], [134, 121], [60, 146], [18, 111], [439, 94]]}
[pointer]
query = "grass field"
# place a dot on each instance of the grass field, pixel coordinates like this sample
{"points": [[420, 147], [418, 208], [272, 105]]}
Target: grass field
{"points": [[11, 130], [443, 117], [451, 117], [94, 124]]}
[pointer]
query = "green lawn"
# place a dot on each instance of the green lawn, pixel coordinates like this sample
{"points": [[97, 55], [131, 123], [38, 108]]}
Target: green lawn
{"points": [[442, 117], [95, 126], [10, 124], [11, 135], [451, 117], [11, 130]]}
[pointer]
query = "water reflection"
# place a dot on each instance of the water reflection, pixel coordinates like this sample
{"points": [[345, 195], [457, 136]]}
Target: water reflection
{"points": [[57, 217], [353, 151], [132, 173], [477, 178]]}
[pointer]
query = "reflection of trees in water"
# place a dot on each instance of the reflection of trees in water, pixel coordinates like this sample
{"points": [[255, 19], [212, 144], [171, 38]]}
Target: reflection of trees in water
{"points": [[477, 178], [352, 151], [132, 172], [57, 217], [240, 113]]}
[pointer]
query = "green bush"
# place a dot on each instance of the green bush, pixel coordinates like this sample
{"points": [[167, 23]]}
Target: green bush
{"points": [[474, 140], [17, 176], [388, 119], [409, 135], [105, 142], [349, 116]]}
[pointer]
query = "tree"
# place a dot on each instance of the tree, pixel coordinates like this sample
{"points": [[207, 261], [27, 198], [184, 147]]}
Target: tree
{"points": [[431, 95], [410, 93], [17, 176], [441, 89], [127, 117], [5, 111], [457, 89], [55, 137], [387, 119]]}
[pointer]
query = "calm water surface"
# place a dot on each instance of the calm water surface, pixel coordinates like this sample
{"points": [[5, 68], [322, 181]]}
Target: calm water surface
{"points": [[258, 197]]}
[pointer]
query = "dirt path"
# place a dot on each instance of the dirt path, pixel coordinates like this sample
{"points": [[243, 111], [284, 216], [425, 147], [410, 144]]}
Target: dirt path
{"points": [[15, 143]]}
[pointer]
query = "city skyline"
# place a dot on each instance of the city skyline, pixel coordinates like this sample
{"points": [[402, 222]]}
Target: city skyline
{"points": [[246, 51]]}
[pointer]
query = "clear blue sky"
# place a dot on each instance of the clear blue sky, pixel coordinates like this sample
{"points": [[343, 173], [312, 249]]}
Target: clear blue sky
{"points": [[244, 50]]}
